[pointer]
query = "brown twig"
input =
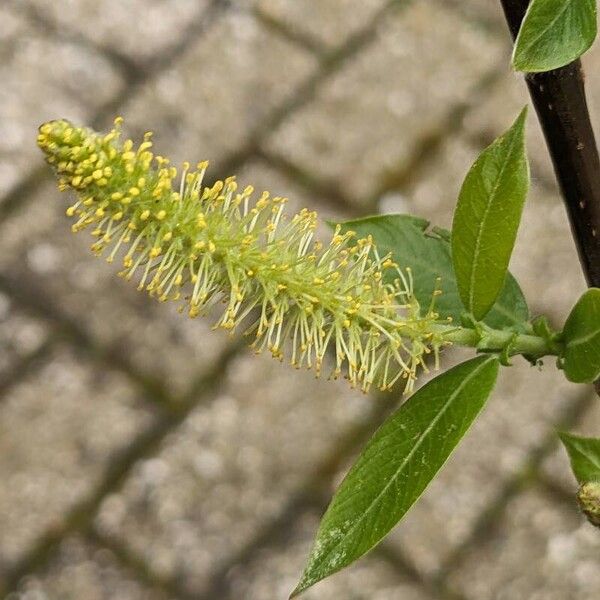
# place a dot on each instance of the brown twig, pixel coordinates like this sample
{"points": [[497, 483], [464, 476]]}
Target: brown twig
{"points": [[560, 101]]}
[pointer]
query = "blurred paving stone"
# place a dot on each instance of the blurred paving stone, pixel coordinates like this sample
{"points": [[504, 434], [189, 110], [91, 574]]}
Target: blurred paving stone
{"points": [[58, 428], [42, 79], [228, 81], [275, 571], [520, 413], [140, 28], [230, 468], [81, 572], [329, 21], [541, 552], [20, 335], [367, 118]]}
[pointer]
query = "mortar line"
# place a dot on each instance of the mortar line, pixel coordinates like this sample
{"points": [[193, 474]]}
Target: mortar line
{"points": [[19, 372], [396, 559], [288, 32], [329, 192], [330, 63], [138, 566], [556, 492]]}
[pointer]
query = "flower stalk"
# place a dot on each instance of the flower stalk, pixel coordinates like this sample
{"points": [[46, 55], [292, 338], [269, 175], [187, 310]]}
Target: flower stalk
{"points": [[206, 245]]}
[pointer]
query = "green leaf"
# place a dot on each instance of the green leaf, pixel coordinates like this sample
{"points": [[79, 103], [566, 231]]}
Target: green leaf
{"points": [[581, 337], [487, 218], [554, 33], [584, 454], [428, 256], [397, 465]]}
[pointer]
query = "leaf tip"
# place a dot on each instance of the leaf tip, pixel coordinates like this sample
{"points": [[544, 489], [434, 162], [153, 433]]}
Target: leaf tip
{"points": [[302, 586]]}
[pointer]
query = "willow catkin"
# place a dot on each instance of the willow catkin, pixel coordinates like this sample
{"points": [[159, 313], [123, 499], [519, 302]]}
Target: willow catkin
{"points": [[208, 244]]}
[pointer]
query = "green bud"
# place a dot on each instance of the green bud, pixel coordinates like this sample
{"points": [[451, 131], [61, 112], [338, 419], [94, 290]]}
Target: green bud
{"points": [[588, 498]]}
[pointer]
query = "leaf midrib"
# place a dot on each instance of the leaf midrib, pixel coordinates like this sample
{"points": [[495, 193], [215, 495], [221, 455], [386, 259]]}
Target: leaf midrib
{"points": [[593, 459], [475, 262], [558, 16], [409, 456], [583, 340]]}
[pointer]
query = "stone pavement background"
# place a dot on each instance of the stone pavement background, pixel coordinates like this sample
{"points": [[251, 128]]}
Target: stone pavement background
{"points": [[143, 456]]}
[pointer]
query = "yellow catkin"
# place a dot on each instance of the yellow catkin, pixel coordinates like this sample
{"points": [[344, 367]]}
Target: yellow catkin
{"points": [[211, 245]]}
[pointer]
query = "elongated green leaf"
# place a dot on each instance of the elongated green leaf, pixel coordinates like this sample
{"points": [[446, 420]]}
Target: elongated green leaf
{"points": [[554, 33], [584, 454], [581, 336], [487, 218], [397, 465], [428, 255]]}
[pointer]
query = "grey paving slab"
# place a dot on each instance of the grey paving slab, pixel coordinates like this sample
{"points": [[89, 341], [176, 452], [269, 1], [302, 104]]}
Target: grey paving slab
{"points": [[367, 118], [230, 468], [223, 87], [541, 552], [43, 78], [20, 336], [274, 572], [80, 571], [139, 29], [58, 429]]}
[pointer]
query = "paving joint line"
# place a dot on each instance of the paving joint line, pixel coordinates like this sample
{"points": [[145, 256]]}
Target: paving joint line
{"points": [[293, 35], [329, 192], [334, 59]]}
